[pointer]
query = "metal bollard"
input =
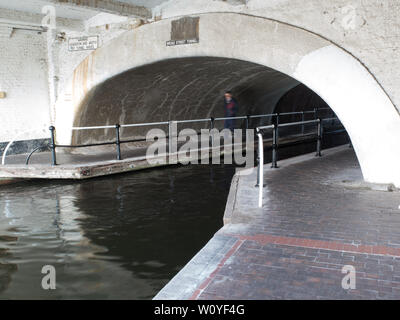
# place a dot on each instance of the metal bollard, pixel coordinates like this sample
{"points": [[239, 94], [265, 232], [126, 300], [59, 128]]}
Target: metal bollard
{"points": [[319, 138], [275, 132], [118, 141], [53, 145]]}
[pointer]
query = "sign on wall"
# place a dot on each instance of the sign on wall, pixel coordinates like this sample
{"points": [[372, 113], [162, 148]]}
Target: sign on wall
{"points": [[178, 42], [83, 43], [184, 31]]}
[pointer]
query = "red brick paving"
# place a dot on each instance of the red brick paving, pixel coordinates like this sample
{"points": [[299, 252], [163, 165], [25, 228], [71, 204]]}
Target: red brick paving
{"points": [[215, 272], [317, 244]]}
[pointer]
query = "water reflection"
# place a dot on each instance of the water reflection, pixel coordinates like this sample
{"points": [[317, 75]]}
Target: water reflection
{"points": [[161, 218], [120, 237]]}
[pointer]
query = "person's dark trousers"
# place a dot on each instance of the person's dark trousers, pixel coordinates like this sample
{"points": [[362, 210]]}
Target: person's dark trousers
{"points": [[229, 123]]}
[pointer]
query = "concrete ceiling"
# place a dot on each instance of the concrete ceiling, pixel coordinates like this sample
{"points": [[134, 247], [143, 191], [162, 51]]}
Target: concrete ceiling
{"points": [[144, 3], [85, 9], [35, 7]]}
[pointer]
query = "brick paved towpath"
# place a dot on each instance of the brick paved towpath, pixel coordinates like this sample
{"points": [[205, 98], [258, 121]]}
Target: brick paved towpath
{"points": [[317, 217]]}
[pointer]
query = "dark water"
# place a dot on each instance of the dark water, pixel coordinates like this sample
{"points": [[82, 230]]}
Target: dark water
{"points": [[124, 236], [118, 237]]}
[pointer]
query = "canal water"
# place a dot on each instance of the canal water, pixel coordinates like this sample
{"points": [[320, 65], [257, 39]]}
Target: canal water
{"points": [[117, 237]]}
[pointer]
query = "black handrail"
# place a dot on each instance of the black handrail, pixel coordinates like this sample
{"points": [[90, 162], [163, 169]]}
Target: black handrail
{"points": [[275, 134], [33, 151], [118, 141]]}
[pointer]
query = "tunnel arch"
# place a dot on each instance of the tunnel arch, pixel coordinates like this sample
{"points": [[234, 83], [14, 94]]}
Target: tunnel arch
{"points": [[179, 89], [370, 118]]}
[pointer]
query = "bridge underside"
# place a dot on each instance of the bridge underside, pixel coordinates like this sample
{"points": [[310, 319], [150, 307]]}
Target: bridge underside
{"points": [[187, 88]]}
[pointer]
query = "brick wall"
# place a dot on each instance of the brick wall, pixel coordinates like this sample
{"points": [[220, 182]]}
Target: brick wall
{"points": [[35, 67]]}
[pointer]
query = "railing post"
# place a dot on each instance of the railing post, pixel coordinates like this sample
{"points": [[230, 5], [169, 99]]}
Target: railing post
{"points": [[319, 138], [258, 161], [275, 132], [247, 121], [53, 145], [211, 141], [172, 142], [277, 120], [302, 120], [260, 173], [170, 137], [118, 141], [315, 113]]}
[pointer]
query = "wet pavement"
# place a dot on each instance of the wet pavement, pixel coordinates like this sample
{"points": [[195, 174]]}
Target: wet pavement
{"points": [[317, 217]]}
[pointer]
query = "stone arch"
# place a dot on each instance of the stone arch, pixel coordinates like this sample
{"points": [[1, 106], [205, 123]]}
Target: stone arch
{"points": [[371, 120]]}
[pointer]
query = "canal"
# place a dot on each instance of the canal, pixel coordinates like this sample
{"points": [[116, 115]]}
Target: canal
{"points": [[117, 237]]}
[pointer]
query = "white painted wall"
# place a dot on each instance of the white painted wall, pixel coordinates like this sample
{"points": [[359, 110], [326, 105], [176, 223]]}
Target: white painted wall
{"points": [[23, 76], [34, 67], [372, 122], [105, 26], [26, 76], [368, 29]]}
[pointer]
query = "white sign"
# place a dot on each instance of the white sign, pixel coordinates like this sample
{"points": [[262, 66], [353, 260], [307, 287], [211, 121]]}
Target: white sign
{"points": [[179, 42], [83, 43]]}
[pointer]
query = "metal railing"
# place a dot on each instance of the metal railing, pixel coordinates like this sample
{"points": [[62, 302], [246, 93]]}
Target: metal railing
{"points": [[275, 139], [118, 141]]}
